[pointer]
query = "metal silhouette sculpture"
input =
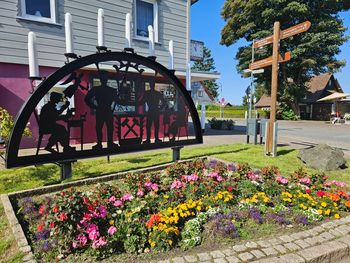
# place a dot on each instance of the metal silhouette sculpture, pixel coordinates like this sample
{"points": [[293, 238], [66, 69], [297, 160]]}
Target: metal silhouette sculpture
{"points": [[155, 103], [102, 98], [121, 114]]}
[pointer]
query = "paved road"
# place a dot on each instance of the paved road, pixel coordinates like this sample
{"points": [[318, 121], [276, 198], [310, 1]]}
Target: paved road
{"points": [[297, 134]]}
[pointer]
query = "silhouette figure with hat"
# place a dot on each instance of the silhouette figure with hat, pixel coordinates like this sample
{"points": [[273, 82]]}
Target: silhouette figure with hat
{"points": [[49, 115], [155, 102], [101, 98]]}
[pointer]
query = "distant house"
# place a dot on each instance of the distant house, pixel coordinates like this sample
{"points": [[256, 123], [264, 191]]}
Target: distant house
{"points": [[264, 103], [200, 94], [310, 108], [318, 88]]}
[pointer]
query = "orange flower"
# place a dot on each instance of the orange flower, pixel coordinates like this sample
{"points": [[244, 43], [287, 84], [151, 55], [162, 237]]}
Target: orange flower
{"points": [[154, 218], [347, 204]]}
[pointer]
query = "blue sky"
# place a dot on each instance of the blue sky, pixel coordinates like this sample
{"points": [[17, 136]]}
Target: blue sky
{"points": [[206, 25]]}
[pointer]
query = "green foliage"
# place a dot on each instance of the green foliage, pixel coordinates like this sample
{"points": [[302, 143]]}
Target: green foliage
{"points": [[221, 124], [207, 65], [313, 53], [6, 122]]}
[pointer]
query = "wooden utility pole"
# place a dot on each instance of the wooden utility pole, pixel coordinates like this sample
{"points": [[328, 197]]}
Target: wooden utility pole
{"points": [[274, 86]]}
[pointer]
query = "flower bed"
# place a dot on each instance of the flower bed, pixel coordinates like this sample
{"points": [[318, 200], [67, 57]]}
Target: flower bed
{"points": [[177, 207]]}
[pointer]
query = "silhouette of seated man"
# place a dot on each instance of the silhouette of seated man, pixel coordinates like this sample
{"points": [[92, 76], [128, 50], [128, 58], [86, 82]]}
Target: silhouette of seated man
{"points": [[101, 98], [49, 115], [155, 102]]}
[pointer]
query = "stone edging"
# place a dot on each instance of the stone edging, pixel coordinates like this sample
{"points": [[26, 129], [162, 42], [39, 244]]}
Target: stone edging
{"points": [[329, 242], [17, 231]]}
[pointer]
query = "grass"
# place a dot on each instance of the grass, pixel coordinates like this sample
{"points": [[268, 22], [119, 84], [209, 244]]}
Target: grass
{"points": [[30, 177]]}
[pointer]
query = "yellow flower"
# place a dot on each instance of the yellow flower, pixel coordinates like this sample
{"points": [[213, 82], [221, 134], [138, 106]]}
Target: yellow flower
{"points": [[336, 216], [319, 211], [198, 208], [323, 204], [166, 196], [327, 212], [153, 244], [111, 222]]}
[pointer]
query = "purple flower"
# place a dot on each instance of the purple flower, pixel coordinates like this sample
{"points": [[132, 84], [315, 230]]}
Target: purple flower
{"points": [[255, 214], [212, 163], [231, 167], [42, 235]]}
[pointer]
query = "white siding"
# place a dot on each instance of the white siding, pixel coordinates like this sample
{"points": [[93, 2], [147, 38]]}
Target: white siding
{"points": [[50, 38]]}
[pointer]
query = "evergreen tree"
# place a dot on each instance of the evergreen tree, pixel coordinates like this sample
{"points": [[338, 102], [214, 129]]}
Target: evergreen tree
{"points": [[313, 52], [207, 65]]}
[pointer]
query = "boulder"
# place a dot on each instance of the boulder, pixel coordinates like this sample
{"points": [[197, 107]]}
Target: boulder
{"points": [[323, 157]]}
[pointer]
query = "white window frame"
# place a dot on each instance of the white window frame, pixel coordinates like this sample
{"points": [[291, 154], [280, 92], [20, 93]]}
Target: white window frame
{"points": [[51, 19], [155, 20]]}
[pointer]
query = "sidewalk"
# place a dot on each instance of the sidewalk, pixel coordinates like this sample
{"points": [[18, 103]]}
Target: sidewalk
{"points": [[329, 242]]}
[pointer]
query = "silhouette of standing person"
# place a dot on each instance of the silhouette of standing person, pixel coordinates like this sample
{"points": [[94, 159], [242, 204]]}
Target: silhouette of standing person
{"points": [[49, 115], [101, 98], [155, 102]]}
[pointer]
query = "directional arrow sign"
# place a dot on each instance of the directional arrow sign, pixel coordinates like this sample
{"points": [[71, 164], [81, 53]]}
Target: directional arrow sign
{"points": [[294, 30], [268, 61]]}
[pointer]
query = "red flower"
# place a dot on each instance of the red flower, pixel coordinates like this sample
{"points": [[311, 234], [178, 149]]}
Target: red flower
{"points": [[55, 209], [308, 191], [86, 200], [41, 210], [230, 188], [62, 216], [41, 227], [52, 225], [63, 194], [320, 193]]}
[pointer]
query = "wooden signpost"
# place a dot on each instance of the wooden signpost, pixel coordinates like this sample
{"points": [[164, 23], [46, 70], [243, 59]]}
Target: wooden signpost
{"points": [[274, 61]]}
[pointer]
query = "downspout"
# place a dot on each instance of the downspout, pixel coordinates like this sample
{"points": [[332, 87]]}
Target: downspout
{"points": [[188, 41]]}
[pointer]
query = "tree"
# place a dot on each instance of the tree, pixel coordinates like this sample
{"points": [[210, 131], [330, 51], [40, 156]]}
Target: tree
{"points": [[207, 65], [313, 52]]}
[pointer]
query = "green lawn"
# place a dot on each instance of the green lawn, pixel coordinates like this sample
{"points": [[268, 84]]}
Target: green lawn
{"points": [[30, 177]]}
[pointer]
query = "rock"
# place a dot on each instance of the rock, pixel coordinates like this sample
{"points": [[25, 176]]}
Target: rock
{"points": [[323, 157]]}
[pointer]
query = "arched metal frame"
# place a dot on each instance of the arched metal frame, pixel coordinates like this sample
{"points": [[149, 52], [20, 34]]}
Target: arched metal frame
{"points": [[12, 158]]}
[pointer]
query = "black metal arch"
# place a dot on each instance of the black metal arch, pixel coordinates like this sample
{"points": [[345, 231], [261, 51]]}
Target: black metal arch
{"points": [[12, 158]]}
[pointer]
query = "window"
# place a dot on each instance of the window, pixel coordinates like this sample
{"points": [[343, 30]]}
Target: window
{"points": [[39, 10], [146, 13]]}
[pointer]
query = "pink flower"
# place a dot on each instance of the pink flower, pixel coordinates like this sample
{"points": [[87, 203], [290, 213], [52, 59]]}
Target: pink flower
{"points": [[177, 184], [253, 176], [86, 219], [305, 180], [148, 184], [112, 199], [127, 197], [112, 230], [328, 184], [213, 174], [99, 243], [219, 178], [154, 187], [140, 193], [281, 180], [80, 241], [92, 231], [191, 178], [118, 203]]}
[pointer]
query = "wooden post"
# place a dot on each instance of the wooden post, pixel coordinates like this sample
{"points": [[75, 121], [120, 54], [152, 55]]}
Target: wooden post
{"points": [[274, 86]]}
